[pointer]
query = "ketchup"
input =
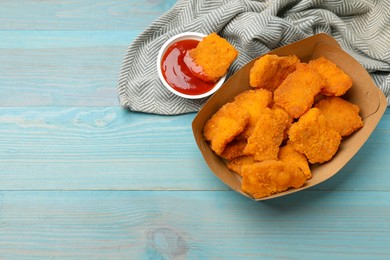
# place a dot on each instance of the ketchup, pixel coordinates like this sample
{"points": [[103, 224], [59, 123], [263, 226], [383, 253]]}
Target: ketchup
{"points": [[177, 73]]}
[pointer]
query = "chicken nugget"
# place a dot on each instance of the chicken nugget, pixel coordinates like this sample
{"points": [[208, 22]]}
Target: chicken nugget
{"points": [[343, 115], [237, 163], [265, 178], [283, 118], [297, 92], [287, 153], [234, 149], [314, 137], [212, 58], [253, 101], [229, 121], [269, 71], [337, 82], [266, 137]]}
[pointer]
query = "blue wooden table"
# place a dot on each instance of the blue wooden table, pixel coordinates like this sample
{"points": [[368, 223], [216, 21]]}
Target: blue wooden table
{"points": [[82, 178]]}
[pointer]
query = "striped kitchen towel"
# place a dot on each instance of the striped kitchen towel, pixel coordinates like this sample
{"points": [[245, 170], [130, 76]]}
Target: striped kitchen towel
{"points": [[254, 27]]}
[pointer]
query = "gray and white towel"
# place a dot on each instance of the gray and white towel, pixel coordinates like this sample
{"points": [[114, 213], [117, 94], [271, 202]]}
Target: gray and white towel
{"points": [[254, 27]]}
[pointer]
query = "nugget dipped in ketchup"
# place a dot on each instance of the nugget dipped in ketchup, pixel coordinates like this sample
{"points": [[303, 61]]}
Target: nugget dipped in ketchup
{"points": [[211, 58]]}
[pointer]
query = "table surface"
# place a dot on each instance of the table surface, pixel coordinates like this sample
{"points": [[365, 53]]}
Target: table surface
{"points": [[82, 178]]}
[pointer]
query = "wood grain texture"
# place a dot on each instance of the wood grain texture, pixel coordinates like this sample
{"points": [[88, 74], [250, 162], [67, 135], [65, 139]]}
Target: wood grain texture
{"points": [[99, 148], [193, 225], [82, 178], [45, 68], [80, 15]]}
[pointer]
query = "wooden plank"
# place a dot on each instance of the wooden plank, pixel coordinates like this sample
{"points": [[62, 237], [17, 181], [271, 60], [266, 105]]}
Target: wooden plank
{"points": [[99, 148], [61, 68], [111, 148], [80, 15], [193, 225], [60, 39]]}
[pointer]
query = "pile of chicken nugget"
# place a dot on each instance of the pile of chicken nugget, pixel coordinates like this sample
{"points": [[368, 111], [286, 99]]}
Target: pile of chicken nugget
{"points": [[294, 117]]}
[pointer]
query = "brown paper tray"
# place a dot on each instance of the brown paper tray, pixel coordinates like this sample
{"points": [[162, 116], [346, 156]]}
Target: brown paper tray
{"points": [[364, 93]]}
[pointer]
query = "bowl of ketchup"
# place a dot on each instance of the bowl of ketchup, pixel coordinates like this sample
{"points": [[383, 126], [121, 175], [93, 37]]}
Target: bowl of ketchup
{"points": [[175, 73]]}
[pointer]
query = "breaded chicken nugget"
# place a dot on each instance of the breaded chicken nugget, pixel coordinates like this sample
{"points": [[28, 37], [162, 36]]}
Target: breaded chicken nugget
{"points": [[267, 136], [234, 149], [265, 178], [314, 136], [343, 115], [212, 57], [253, 101], [287, 153], [337, 82], [237, 163], [283, 117], [229, 121], [297, 92], [269, 71]]}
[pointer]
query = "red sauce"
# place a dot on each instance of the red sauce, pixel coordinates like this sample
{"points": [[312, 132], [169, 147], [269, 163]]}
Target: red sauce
{"points": [[177, 73]]}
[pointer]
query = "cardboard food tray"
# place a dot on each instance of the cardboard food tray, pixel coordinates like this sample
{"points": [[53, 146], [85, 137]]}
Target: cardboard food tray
{"points": [[364, 93]]}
